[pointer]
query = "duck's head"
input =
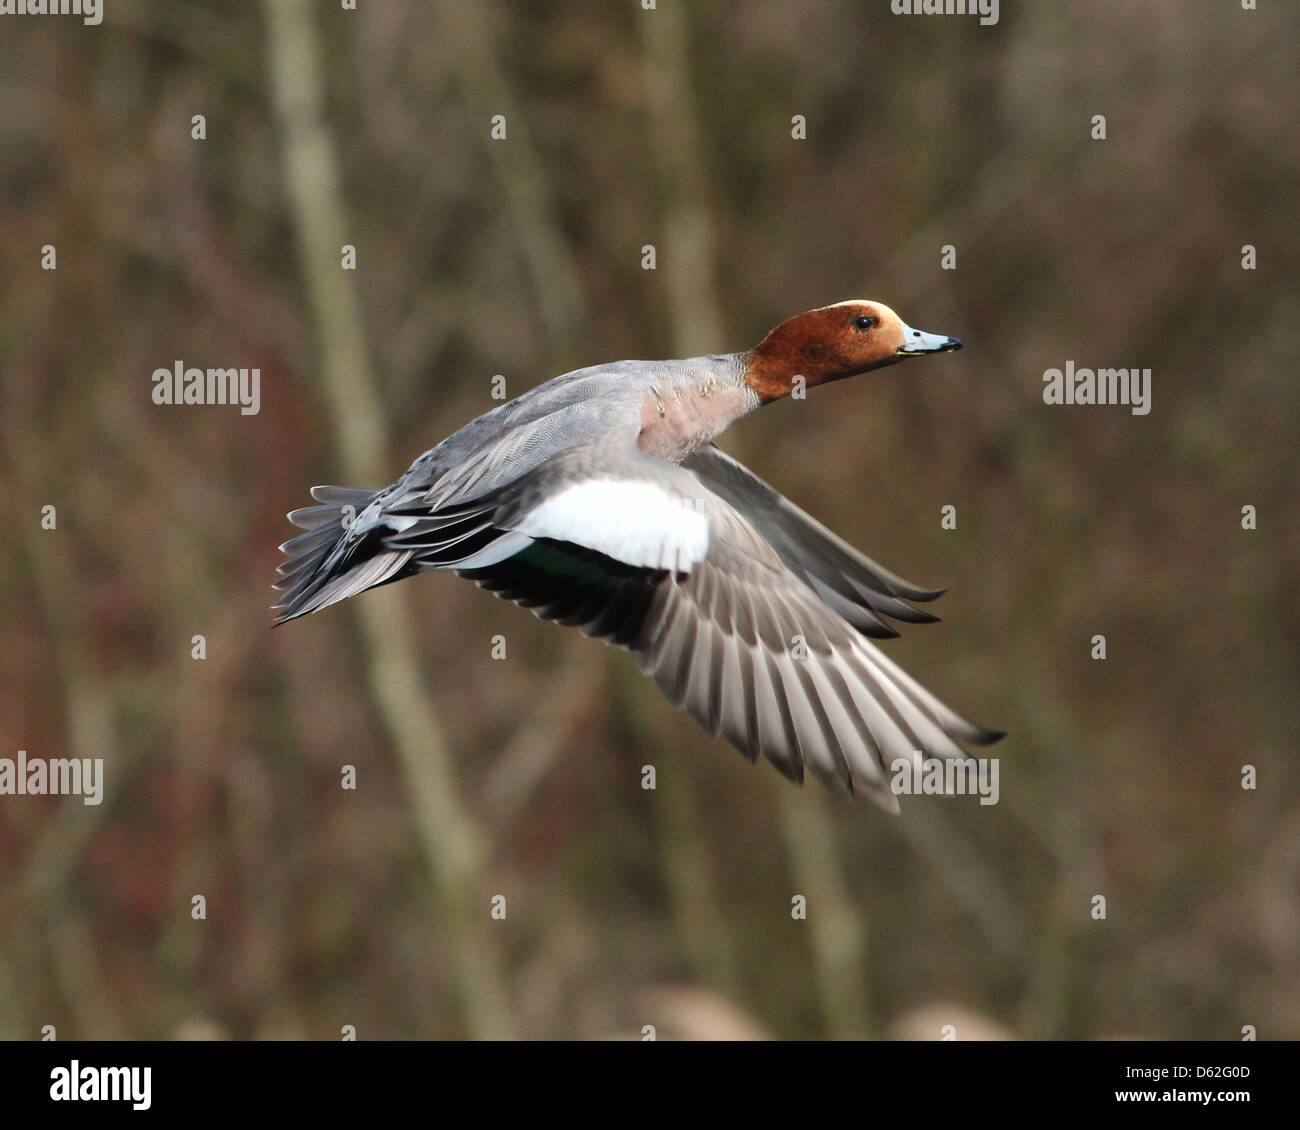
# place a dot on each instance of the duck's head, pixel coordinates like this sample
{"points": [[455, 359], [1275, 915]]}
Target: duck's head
{"points": [[833, 342]]}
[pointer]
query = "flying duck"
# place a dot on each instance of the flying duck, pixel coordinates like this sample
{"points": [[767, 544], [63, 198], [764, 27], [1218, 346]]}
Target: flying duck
{"points": [[599, 500]]}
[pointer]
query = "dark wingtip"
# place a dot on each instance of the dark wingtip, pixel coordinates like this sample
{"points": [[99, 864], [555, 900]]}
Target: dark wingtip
{"points": [[907, 591], [926, 594], [879, 631], [988, 737], [917, 616]]}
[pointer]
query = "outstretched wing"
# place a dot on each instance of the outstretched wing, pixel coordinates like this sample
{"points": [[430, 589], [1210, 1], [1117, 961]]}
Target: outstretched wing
{"points": [[847, 581], [643, 554]]}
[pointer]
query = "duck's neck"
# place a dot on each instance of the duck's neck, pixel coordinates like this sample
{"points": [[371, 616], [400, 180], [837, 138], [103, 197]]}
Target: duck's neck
{"points": [[777, 367], [689, 408]]}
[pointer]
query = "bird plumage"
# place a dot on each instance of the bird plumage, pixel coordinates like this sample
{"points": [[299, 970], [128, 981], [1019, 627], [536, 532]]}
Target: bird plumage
{"points": [[599, 501]]}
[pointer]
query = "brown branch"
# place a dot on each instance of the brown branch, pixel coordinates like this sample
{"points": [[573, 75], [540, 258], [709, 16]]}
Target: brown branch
{"points": [[452, 841]]}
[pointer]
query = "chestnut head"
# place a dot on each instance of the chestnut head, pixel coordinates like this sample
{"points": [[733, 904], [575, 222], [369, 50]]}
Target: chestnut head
{"points": [[834, 342]]}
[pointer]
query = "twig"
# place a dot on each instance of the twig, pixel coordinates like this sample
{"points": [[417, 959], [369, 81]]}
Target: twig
{"points": [[452, 841]]}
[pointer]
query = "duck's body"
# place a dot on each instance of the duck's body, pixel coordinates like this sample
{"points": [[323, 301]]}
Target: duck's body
{"points": [[598, 500]]}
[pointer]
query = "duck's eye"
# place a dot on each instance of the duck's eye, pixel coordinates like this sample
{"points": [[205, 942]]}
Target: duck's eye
{"points": [[865, 322]]}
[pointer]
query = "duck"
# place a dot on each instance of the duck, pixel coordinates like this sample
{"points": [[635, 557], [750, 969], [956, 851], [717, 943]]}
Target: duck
{"points": [[599, 500]]}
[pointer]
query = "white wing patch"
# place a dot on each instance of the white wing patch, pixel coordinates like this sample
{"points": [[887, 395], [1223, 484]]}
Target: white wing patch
{"points": [[636, 522]]}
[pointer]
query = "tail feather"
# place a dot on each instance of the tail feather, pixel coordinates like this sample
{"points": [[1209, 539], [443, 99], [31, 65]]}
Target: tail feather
{"points": [[349, 546], [344, 496], [331, 561], [330, 589], [298, 548]]}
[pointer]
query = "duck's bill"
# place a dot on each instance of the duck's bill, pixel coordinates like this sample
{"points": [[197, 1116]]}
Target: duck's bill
{"points": [[918, 341]]}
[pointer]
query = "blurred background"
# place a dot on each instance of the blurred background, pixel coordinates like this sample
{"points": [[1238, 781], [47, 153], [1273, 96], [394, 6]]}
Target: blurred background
{"points": [[522, 257]]}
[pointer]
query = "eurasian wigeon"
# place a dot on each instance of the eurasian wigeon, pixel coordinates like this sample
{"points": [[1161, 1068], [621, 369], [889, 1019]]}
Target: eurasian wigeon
{"points": [[599, 500]]}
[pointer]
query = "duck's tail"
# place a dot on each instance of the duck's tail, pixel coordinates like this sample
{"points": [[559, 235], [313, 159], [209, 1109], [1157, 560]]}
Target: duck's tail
{"points": [[338, 556]]}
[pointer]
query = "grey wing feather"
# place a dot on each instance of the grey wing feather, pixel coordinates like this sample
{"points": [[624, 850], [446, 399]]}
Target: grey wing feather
{"points": [[750, 652], [848, 581]]}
